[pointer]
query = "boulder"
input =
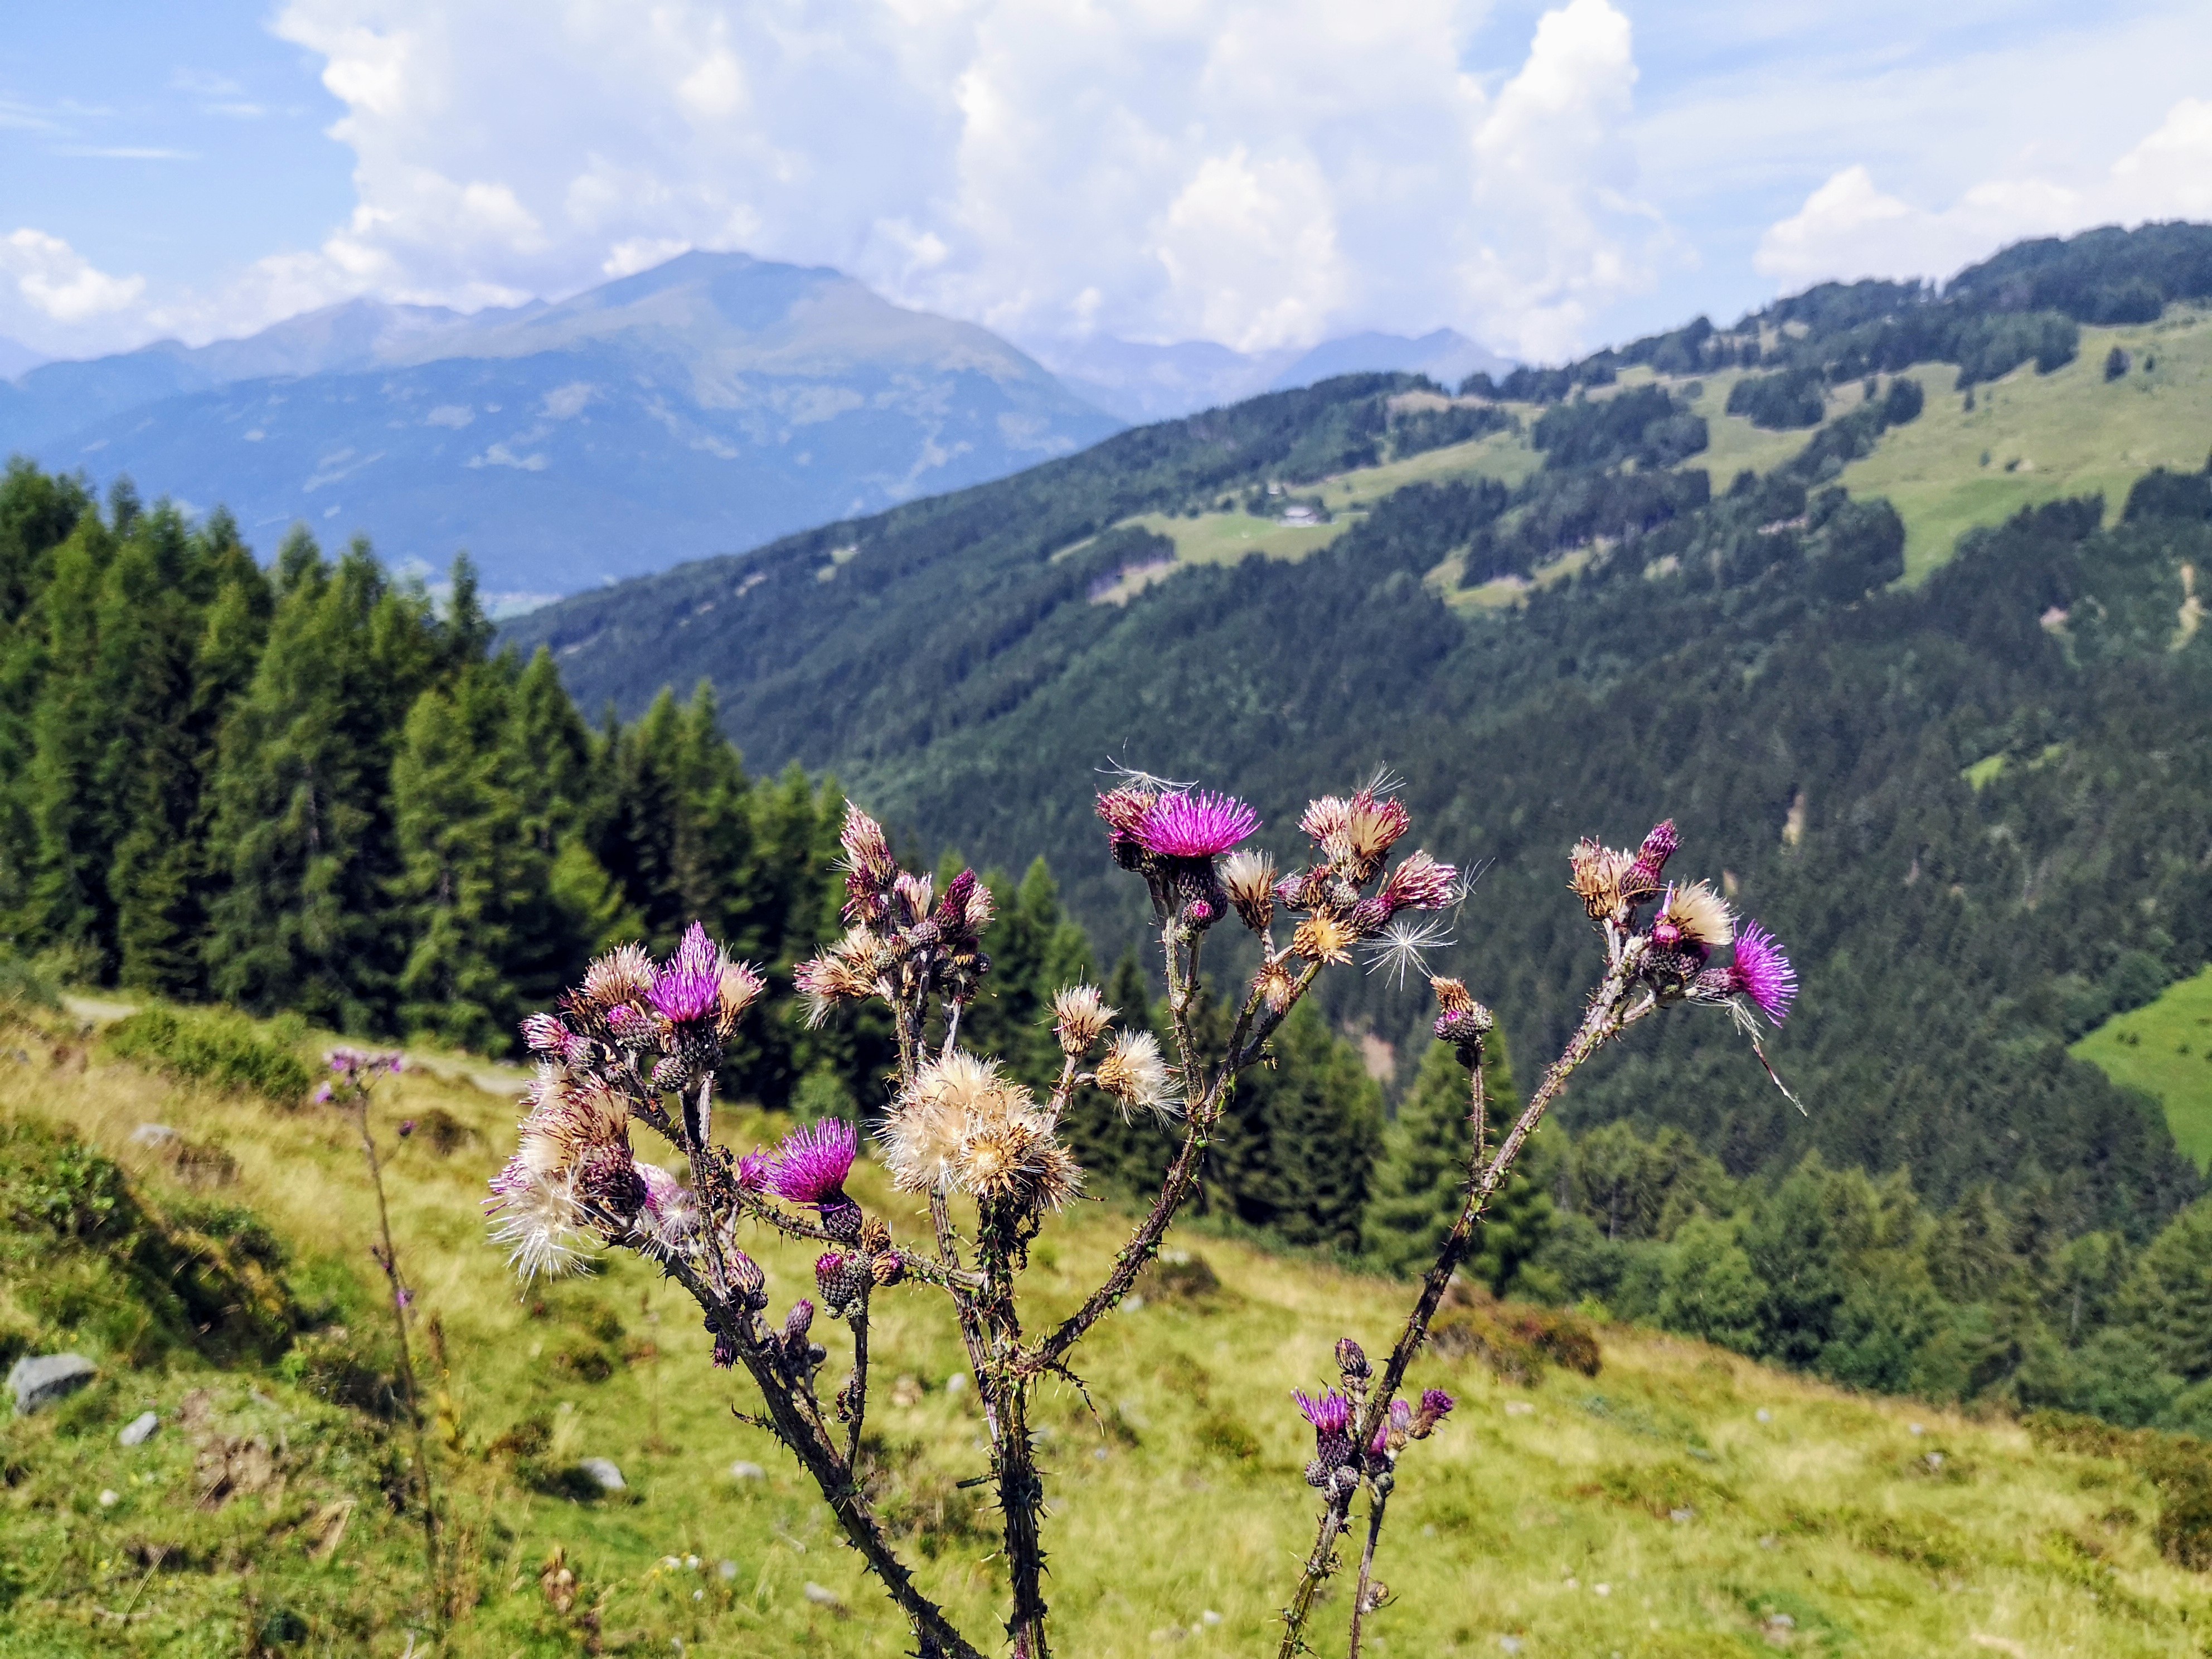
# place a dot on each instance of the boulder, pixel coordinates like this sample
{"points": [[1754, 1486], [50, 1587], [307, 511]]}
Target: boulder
{"points": [[605, 1471], [139, 1429], [41, 1380]]}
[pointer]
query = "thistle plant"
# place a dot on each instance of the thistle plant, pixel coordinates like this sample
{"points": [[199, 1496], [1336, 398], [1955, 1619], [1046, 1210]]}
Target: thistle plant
{"points": [[984, 1155], [351, 1087]]}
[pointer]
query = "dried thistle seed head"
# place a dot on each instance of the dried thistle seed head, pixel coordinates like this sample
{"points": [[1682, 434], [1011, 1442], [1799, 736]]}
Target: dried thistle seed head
{"points": [[1016, 1160], [1461, 1019], [538, 1217], [545, 1034], [622, 975], [887, 1268], [1694, 915], [1322, 937], [1137, 1075], [1277, 981], [1370, 829], [1248, 876], [912, 897], [1079, 1019], [1324, 818], [1596, 876], [1420, 883], [1124, 810], [1404, 946], [875, 1235], [737, 990]]}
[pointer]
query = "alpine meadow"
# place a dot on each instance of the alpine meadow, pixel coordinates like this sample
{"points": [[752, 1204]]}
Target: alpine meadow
{"points": [[1081, 1044]]}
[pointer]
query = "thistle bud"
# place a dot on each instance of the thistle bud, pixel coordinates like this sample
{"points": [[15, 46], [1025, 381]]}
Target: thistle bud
{"points": [[887, 1269], [843, 1280], [1436, 1405], [1351, 1360]]}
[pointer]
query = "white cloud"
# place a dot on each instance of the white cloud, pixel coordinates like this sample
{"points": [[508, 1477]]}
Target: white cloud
{"points": [[59, 284], [1849, 228], [1259, 171]]}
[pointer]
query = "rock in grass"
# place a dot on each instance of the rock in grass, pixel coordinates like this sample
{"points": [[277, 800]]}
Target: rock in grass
{"points": [[40, 1381], [605, 1472], [139, 1429]]}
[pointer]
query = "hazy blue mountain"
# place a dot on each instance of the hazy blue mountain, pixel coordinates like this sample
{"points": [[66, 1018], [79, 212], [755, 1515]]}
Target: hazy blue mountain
{"points": [[705, 406], [1144, 383]]}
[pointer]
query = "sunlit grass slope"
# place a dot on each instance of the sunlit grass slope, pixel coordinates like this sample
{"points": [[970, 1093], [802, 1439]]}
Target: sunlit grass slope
{"points": [[2165, 1048], [1682, 1503], [2033, 438]]}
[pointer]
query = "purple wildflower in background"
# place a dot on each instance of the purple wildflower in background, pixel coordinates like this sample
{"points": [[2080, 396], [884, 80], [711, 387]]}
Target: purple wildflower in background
{"points": [[686, 989], [406, 1127], [1762, 973], [1195, 826], [1331, 1414], [811, 1165]]}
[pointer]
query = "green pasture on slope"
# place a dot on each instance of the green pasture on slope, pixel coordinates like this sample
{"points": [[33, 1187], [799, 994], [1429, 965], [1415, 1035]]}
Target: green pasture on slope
{"points": [[2033, 438], [2165, 1048], [1684, 1502]]}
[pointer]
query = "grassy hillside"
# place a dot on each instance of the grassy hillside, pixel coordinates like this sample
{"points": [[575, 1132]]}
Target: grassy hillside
{"points": [[2031, 437], [2165, 1048], [1682, 1502]]}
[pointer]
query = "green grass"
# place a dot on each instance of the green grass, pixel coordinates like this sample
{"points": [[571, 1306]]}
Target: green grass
{"points": [[2165, 1048], [2070, 433], [1543, 1512], [1225, 537]]}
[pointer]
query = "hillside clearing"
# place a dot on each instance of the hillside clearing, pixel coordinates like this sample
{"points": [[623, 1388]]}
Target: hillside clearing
{"points": [[2165, 1048], [1683, 1502]]}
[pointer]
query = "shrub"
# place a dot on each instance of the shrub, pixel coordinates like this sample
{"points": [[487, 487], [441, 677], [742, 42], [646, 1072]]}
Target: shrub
{"points": [[222, 1050]]}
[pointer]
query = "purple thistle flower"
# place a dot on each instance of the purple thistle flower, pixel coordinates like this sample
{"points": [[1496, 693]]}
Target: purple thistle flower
{"points": [[322, 1096], [753, 1169], [1398, 1419], [811, 1165], [1330, 1414], [1762, 973], [1195, 826], [686, 989]]}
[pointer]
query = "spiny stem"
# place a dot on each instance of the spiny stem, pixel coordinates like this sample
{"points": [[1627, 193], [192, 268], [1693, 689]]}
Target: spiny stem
{"points": [[1375, 1508]]}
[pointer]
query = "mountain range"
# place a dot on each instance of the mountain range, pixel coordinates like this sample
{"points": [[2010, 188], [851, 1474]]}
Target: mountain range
{"points": [[705, 406]]}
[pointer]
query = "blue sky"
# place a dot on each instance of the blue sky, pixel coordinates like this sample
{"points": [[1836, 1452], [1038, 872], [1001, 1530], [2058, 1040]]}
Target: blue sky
{"points": [[1543, 176]]}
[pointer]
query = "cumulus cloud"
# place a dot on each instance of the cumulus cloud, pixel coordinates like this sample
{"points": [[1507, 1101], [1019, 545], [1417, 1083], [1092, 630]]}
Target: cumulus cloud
{"points": [[1261, 172], [1850, 228], [55, 284]]}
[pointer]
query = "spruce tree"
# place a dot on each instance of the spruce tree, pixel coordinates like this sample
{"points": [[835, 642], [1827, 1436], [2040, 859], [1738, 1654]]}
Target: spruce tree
{"points": [[473, 897], [1420, 1183], [1298, 1137], [1126, 1155], [301, 790]]}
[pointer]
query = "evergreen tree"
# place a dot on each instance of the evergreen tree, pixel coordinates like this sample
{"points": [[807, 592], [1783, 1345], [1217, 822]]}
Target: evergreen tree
{"points": [[1295, 1145], [1420, 1183], [302, 807], [2168, 1299], [473, 897], [1034, 951]]}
